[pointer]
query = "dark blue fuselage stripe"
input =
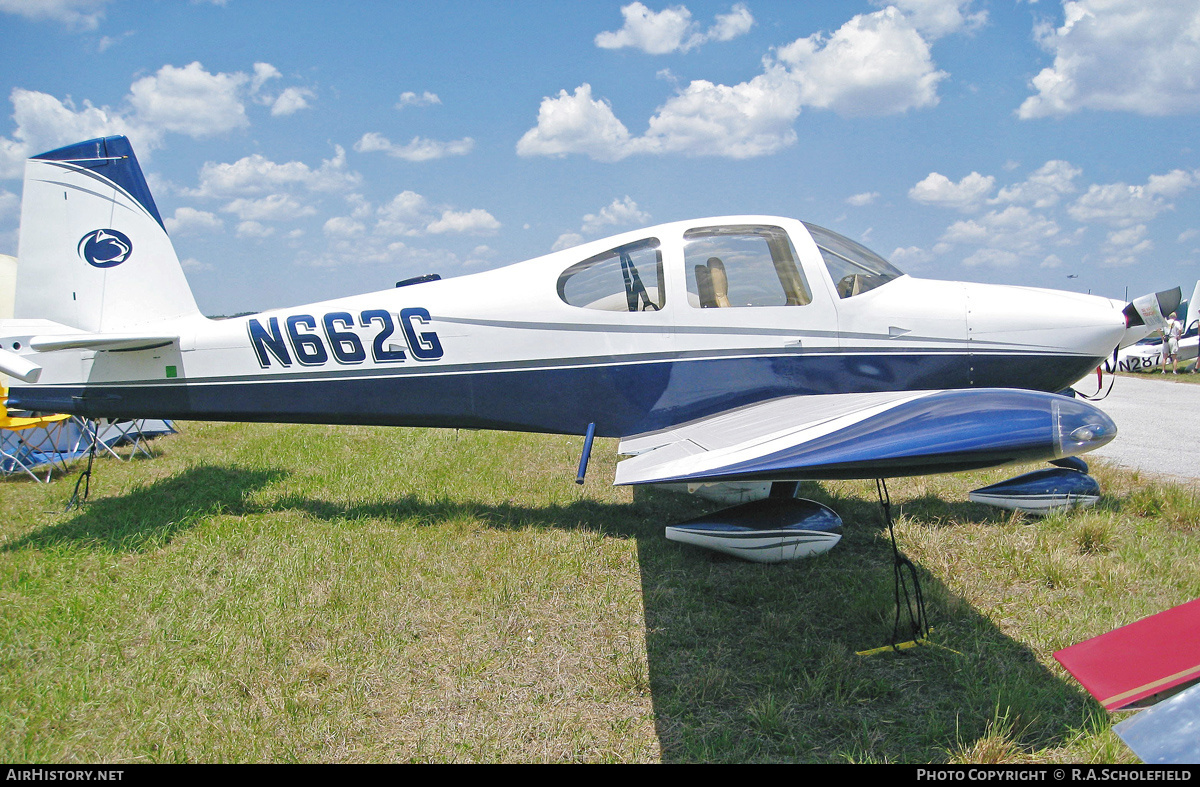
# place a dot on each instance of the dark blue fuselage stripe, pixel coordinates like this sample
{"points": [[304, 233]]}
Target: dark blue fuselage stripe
{"points": [[621, 399], [329, 371]]}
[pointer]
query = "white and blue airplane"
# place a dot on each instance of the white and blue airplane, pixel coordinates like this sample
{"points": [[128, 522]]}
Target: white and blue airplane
{"points": [[737, 349], [1147, 354]]}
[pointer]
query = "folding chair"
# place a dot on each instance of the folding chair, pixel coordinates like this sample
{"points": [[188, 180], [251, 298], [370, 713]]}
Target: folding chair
{"points": [[30, 443], [27, 444], [113, 433]]}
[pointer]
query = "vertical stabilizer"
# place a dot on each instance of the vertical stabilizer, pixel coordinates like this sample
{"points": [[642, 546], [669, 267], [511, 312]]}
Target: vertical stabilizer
{"points": [[93, 251]]}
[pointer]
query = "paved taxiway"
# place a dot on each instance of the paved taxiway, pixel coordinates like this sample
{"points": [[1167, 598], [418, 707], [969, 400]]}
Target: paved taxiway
{"points": [[1158, 424]]}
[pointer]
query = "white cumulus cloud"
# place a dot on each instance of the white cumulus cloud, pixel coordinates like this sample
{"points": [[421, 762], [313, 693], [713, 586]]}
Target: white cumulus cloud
{"points": [[186, 100], [190, 220], [418, 149], [704, 119], [254, 229], [672, 29], [937, 18], [44, 123], [273, 207], [1123, 205], [1030, 215], [190, 100], [1140, 56], [1126, 246], [75, 14], [410, 214], [406, 214], [576, 123], [875, 64], [291, 101], [866, 198], [619, 212], [263, 73], [344, 226], [411, 99], [966, 194], [729, 26], [1004, 238], [568, 240], [475, 222], [256, 174], [749, 119], [1043, 188], [909, 257]]}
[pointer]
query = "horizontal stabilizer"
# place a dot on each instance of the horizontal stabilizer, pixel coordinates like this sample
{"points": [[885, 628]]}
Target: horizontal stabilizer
{"points": [[1139, 662], [17, 366], [100, 341], [867, 435]]}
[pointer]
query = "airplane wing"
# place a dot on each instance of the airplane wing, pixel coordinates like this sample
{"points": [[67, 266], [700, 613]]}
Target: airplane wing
{"points": [[867, 435]]}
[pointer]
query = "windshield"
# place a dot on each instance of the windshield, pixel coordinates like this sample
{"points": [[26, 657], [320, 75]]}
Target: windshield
{"points": [[854, 268]]}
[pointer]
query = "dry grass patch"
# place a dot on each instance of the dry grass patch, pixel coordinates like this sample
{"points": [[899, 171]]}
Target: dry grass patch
{"points": [[349, 594]]}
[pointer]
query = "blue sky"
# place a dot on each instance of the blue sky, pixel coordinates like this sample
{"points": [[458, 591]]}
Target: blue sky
{"points": [[305, 150]]}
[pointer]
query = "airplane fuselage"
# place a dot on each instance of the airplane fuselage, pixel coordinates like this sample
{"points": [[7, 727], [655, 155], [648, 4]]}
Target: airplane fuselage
{"points": [[567, 340]]}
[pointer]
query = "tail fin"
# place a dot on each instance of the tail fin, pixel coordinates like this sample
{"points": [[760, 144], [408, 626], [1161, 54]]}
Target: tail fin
{"points": [[94, 253]]}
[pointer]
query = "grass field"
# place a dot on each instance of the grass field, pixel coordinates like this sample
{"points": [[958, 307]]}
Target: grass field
{"points": [[341, 594], [1182, 377]]}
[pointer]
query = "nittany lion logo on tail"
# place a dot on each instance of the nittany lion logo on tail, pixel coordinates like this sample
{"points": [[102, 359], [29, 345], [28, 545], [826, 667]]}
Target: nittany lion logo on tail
{"points": [[105, 248]]}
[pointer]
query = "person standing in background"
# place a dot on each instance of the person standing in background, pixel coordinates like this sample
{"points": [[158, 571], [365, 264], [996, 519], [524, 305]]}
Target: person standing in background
{"points": [[1171, 336]]}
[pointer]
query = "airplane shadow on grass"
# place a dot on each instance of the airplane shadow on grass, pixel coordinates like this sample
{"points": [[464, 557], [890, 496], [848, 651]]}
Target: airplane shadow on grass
{"points": [[754, 662], [149, 516], [747, 662]]}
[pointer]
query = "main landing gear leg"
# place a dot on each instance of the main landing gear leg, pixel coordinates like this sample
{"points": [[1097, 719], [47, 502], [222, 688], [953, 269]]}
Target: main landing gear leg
{"points": [[92, 428]]}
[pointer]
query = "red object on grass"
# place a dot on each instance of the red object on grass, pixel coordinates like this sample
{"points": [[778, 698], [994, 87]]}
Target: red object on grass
{"points": [[1140, 660]]}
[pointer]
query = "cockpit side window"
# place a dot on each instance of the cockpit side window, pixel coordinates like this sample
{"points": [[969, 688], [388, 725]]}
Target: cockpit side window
{"points": [[854, 268], [743, 265], [625, 279]]}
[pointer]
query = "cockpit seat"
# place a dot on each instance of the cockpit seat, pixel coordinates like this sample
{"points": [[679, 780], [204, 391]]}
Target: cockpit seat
{"points": [[850, 285], [720, 282], [704, 287]]}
